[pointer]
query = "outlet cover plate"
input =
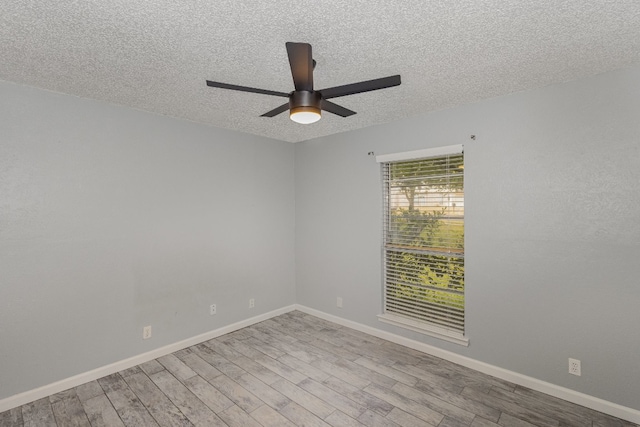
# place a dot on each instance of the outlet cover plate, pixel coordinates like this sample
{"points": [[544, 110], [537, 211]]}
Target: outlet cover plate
{"points": [[574, 367]]}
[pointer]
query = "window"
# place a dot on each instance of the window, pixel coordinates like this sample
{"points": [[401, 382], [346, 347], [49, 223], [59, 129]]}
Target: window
{"points": [[423, 242]]}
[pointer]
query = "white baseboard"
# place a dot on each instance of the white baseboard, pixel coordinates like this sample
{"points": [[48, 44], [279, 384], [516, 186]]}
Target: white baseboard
{"points": [[563, 393], [49, 389]]}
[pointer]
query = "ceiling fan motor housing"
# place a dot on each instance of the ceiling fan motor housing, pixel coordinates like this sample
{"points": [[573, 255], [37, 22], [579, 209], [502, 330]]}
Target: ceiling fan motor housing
{"points": [[305, 101]]}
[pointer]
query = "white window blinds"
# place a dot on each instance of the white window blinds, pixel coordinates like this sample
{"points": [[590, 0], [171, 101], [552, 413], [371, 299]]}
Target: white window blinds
{"points": [[424, 242]]}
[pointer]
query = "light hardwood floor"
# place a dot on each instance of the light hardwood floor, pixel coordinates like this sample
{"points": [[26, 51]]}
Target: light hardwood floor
{"points": [[298, 370]]}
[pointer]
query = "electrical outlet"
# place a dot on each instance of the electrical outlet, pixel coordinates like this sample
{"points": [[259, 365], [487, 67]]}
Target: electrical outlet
{"points": [[146, 332], [574, 367], [212, 309], [339, 302], [252, 303]]}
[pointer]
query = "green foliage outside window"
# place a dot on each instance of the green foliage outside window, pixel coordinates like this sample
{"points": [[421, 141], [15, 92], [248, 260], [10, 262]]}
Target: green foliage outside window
{"points": [[423, 276]]}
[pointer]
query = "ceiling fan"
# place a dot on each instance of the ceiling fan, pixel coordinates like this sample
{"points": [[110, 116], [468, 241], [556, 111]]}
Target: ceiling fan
{"points": [[305, 103]]}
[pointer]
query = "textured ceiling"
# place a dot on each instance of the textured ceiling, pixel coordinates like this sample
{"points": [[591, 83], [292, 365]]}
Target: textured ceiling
{"points": [[155, 55]]}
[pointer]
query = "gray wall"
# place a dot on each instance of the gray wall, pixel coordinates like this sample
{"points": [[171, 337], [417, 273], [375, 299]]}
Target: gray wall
{"points": [[552, 228], [112, 219]]}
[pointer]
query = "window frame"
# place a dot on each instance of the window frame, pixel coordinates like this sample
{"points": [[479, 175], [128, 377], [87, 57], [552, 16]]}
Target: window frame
{"points": [[421, 326]]}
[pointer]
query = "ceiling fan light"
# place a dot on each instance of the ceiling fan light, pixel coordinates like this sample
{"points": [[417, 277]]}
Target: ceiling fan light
{"points": [[305, 114]]}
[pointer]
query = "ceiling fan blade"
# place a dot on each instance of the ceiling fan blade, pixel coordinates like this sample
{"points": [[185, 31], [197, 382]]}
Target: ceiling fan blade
{"points": [[246, 89], [369, 85], [336, 109], [276, 111], [301, 64]]}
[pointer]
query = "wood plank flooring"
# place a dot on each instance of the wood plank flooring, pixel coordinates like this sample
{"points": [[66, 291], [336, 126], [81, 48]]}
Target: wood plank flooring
{"points": [[298, 370]]}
